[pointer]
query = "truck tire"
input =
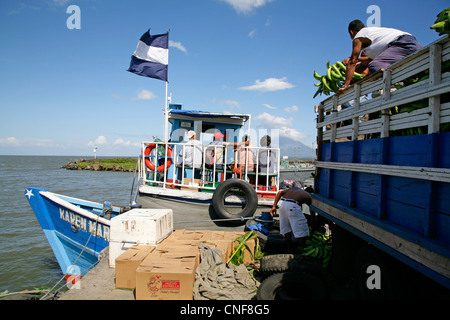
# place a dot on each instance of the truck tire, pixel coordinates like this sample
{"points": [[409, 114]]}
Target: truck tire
{"points": [[251, 200], [270, 243], [292, 286], [276, 263]]}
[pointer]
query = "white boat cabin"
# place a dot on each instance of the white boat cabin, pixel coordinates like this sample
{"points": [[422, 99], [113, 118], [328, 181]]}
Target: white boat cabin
{"points": [[221, 149]]}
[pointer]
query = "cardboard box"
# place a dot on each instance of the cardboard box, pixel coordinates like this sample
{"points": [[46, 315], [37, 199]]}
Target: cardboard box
{"points": [[248, 257], [138, 226], [224, 246], [166, 279], [194, 184], [183, 234], [173, 253], [127, 263]]}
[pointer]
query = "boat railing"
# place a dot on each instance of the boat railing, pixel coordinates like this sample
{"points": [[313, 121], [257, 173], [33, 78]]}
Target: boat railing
{"points": [[218, 163]]}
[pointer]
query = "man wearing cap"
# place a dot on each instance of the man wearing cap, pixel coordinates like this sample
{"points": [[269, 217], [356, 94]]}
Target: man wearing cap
{"points": [[292, 218], [192, 151], [216, 150]]}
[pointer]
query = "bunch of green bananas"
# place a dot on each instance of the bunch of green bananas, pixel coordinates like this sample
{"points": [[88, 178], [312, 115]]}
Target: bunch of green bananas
{"points": [[442, 23], [318, 245], [334, 79]]}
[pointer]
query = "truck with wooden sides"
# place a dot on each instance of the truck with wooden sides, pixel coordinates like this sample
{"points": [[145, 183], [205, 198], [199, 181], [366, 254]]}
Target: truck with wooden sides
{"points": [[382, 176]]}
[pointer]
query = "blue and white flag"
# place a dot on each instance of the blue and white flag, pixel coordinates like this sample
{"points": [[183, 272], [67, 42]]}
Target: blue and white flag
{"points": [[151, 57]]}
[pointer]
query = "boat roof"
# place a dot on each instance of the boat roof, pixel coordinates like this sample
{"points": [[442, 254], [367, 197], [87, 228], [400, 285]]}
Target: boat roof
{"points": [[195, 115]]}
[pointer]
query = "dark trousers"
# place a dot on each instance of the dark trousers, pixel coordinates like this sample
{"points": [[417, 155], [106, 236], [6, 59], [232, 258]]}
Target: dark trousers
{"points": [[397, 50]]}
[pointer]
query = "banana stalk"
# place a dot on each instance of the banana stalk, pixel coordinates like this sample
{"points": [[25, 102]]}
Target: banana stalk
{"points": [[333, 79]]}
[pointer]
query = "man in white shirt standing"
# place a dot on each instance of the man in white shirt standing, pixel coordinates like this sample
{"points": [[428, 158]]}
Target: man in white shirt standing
{"points": [[381, 46]]}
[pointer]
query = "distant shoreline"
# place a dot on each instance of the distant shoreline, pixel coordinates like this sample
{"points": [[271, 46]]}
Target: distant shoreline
{"points": [[104, 164]]}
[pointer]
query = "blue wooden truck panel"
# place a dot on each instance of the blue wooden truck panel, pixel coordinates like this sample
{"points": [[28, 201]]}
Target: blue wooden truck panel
{"points": [[407, 211]]}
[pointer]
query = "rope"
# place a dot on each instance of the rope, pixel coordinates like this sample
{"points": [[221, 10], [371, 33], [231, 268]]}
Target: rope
{"points": [[82, 250], [132, 185]]}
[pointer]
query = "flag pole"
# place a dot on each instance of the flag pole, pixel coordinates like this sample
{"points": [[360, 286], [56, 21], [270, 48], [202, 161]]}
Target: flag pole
{"points": [[166, 108], [166, 117]]}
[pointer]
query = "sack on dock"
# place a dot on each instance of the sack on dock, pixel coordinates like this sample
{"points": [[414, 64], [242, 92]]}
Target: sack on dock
{"points": [[215, 281]]}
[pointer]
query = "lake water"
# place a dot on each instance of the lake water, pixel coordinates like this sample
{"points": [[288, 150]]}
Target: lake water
{"points": [[26, 259]]}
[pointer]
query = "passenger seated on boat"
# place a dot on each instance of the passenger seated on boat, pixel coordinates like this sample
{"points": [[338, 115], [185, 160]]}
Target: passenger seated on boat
{"points": [[246, 158], [214, 158], [192, 152], [234, 165], [215, 152], [266, 160]]}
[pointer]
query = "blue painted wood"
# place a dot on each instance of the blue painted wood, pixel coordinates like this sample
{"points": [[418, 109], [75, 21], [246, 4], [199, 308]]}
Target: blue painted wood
{"points": [[341, 186], [344, 152], [421, 206], [427, 243], [410, 151], [369, 151], [444, 150]]}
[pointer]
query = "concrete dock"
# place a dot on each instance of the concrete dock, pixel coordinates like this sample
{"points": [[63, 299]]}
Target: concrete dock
{"points": [[98, 284]]}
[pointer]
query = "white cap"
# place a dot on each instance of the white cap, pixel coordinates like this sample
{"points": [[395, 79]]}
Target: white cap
{"points": [[191, 133]]}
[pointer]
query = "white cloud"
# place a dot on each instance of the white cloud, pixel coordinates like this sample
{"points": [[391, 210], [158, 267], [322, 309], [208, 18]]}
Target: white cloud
{"points": [[99, 141], [145, 95], [61, 2], [122, 143], [246, 6], [283, 125], [10, 141], [252, 33], [291, 109], [177, 45], [232, 104], [270, 121], [292, 133], [34, 142], [270, 84], [269, 106]]}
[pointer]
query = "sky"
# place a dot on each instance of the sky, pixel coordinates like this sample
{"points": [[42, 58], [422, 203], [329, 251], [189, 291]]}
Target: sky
{"points": [[64, 87]]}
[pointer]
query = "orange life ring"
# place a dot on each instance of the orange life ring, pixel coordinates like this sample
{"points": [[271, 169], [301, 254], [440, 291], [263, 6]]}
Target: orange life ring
{"points": [[150, 165]]}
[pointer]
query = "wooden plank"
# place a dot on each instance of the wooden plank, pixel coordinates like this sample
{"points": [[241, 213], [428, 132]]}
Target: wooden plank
{"points": [[418, 65], [435, 64], [406, 96], [432, 174], [371, 87], [414, 251], [371, 126], [344, 132], [412, 150], [416, 118]]}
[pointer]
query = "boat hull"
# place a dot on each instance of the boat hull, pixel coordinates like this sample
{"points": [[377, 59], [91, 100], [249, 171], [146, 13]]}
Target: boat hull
{"points": [[192, 209], [76, 235]]}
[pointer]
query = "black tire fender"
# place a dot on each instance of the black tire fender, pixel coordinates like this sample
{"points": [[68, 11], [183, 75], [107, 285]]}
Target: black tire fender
{"points": [[276, 263], [218, 199]]}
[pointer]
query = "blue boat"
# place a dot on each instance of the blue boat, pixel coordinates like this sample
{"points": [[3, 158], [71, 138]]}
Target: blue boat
{"points": [[77, 230]]}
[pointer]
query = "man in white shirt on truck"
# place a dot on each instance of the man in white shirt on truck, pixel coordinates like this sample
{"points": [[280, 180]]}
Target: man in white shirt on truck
{"points": [[381, 47]]}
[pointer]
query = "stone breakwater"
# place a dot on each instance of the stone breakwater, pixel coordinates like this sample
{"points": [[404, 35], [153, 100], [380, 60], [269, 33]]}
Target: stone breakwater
{"points": [[101, 165]]}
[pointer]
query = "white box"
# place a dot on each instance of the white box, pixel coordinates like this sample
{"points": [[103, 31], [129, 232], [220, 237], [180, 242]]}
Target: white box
{"points": [[138, 226]]}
